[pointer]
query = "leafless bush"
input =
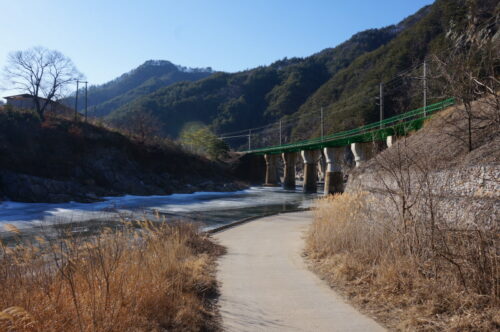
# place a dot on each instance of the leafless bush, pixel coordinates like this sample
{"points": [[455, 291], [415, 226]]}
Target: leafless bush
{"points": [[469, 72], [142, 125], [415, 191]]}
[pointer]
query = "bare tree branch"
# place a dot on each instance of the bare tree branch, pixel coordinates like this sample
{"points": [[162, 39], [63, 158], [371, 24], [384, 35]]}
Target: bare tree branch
{"points": [[42, 73]]}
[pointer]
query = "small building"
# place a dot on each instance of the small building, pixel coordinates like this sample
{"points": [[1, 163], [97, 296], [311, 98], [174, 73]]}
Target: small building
{"points": [[27, 102]]}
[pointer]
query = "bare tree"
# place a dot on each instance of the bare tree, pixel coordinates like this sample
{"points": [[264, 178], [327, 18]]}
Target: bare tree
{"points": [[470, 72], [42, 73], [142, 124]]}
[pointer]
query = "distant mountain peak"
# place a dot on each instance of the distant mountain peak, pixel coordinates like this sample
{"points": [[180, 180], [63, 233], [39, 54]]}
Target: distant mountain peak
{"points": [[140, 81], [158, 63], [166, 63]]}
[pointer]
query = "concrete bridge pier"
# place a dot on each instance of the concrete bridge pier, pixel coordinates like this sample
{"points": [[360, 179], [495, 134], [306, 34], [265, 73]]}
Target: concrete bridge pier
{"points": [[271, 170], [390, 140], [321, 167], [289, 160], [334, 179], [310, 158], [362, 152]]}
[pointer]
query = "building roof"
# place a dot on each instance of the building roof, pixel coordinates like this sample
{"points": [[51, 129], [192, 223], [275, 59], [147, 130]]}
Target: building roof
{"points": [[21, 96], [28, 96]]}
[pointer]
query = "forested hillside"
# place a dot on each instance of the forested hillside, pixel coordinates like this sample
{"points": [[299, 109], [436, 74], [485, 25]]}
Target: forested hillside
{"points": [[258, 96], [349, 97], [343, 80], [146, 78]]}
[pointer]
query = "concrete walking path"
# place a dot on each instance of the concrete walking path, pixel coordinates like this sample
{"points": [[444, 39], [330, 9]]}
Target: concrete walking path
{"points": [[266, 286]]}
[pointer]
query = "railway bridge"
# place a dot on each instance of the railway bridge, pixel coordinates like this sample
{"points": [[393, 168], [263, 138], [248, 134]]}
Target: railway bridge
{"points": [[333, 148]]}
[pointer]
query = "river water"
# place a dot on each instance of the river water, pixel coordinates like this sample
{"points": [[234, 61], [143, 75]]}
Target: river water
{"points": [[210, 209]]}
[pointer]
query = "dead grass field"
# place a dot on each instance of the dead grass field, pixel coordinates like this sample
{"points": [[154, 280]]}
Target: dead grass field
{"points": [[415, 239], [158, 277], [407, 285]]}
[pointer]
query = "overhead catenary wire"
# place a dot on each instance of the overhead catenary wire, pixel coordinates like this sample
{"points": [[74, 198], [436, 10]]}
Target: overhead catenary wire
{"points": [[308, 115], [294, 118], [389, 86]]}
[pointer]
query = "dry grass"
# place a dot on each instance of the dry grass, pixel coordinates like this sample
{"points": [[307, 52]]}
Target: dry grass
{"points": [[154, 278], [407, 285]]}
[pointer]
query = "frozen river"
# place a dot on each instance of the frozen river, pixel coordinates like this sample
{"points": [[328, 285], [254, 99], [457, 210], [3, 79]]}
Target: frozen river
{"points": [[211, 209]]}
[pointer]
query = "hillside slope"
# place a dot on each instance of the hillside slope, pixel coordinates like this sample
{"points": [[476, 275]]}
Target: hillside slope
{"points": [[414, 238], [343, 80], [349, 97], [60, 160], [145, 79], [255, 97]]}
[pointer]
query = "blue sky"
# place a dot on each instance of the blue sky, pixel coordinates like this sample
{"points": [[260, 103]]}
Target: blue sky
{"points": [[106, 38]]}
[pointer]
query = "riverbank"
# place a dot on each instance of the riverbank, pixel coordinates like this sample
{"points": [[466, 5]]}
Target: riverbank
{"points": [[143, 275], [61, 160]]}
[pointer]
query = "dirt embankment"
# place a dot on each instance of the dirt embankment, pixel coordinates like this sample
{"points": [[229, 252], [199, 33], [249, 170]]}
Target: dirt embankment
{"points": [[435, 161], [60, 160]]}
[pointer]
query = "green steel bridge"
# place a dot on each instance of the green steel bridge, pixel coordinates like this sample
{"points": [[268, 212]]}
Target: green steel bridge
{"points": [[398, 125]]}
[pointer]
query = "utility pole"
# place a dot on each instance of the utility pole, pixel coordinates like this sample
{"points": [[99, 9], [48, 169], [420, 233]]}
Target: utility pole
{"points": [[322, 124], [76, 100], [86, 101], [249, 139], [381, 103], [281, 128], [425, 88]]}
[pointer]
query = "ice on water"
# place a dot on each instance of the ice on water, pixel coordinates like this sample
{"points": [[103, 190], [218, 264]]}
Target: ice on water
{"points": [[26, 215]]}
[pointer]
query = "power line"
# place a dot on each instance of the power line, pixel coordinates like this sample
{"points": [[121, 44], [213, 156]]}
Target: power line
{"points": [[86, 100], [235, 136], [387, 86], [294, 117]]}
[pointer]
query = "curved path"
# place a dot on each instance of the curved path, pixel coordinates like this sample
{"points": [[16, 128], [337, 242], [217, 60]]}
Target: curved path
{"points": [[266, 286]]}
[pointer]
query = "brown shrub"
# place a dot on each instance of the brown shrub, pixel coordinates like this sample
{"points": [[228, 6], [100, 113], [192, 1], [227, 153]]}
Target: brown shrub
{"points": [[427, 288], [153, 278]]}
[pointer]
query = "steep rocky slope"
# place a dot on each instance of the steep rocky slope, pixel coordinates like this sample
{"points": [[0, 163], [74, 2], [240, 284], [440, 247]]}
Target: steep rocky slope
{"points": [[60, 160], [435, 161]]}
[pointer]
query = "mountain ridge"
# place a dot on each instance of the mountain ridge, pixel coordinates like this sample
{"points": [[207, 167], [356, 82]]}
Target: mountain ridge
{"points": [[144, 79], [225, 99], [343, 80]]}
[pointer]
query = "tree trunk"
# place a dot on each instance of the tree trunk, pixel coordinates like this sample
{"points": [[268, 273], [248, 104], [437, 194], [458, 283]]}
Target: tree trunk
{"points": [[468, 110], [39, 109]]}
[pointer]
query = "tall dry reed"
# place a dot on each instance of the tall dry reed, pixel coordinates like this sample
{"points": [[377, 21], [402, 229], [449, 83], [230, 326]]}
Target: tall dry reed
{"points": [[411, 276], [154, 278]]}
